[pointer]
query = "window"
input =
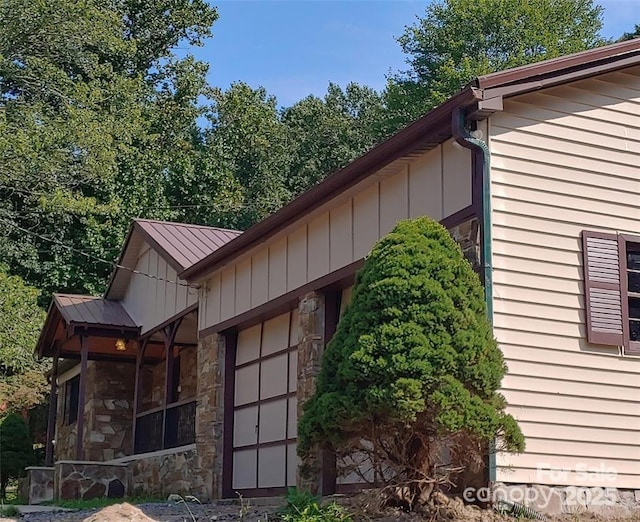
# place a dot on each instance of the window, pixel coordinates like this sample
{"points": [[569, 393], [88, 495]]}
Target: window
{"points": [[612, 289], [633, 290], [71, 398]]}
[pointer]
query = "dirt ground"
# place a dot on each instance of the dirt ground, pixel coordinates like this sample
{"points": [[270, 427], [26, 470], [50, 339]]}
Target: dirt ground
{"points": [[363, 508]]}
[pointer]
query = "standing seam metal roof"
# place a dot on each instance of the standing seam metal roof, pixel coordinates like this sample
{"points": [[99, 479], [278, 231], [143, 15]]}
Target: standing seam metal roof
{"points": [[87, 309], [186, 244]]}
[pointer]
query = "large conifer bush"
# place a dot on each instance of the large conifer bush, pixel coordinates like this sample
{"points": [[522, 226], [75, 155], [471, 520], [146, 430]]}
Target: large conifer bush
{"points": [[411, 376], [16, 449]]}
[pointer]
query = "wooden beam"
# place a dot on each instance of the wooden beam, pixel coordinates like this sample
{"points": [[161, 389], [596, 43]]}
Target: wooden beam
{"points": [[142, 346], [169, 335], [84, 357], [53, 405]]}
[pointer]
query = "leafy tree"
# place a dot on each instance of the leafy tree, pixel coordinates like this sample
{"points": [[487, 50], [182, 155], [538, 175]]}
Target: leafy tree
{"points": [[325, 134], [413, 366], [630, 36], [250, 141], [22, 382], [16, 450], [457, 40]]}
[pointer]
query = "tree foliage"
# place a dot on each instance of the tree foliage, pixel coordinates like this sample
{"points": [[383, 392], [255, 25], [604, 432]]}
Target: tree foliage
{"points": [[98, 121], [413, 363], [325, 134], [16, 450], [630, 35], [22, 382], [457, 40]]}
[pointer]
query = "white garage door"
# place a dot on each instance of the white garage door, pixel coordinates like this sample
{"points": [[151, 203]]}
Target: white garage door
{"points": [[265, 407]]}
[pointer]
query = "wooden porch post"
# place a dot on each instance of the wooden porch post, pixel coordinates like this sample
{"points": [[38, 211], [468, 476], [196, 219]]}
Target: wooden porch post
{"points": [[84, 356], [53, 405], [142, 346], [169, 335]]}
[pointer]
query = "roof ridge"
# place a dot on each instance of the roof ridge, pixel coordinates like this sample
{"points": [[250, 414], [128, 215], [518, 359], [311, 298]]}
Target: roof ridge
{"points": [[84, 296], [189, 225]]}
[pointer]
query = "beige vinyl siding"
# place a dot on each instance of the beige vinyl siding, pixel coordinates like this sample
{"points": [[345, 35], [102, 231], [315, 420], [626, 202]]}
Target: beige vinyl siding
{"points": [[153, 298], [564, 160], [436, 183]]}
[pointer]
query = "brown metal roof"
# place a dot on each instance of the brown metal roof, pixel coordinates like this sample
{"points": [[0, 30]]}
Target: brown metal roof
{"points": [[180, 244], [185, 244], [91, 310], [582, 64], [427, 132]]}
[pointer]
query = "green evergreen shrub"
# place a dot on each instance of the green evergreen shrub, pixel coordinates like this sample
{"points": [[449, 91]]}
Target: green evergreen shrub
{"points": [[411, 376], [304, 507], [16, 449]]}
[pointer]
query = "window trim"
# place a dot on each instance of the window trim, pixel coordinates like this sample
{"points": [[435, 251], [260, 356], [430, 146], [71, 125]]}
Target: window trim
{"points": [[630, 347], [621, 339], [70, 413]]}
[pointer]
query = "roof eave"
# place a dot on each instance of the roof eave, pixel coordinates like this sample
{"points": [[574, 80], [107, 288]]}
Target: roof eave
{"points": [[547, 73]]}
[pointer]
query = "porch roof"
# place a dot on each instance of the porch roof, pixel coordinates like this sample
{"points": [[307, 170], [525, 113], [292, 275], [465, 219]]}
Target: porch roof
{"points": [[71, 315], [91, 310]]}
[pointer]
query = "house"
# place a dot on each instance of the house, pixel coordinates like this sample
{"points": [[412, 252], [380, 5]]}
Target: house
{"points": [[534, 170]]}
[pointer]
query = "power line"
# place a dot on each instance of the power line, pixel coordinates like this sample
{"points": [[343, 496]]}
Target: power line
{"points": [[96, 258]]}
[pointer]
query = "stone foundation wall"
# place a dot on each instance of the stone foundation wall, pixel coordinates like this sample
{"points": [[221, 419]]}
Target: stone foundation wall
{"points": [[87, 480], [109, 411], [37, 487], [573, 500], [164, 473]]}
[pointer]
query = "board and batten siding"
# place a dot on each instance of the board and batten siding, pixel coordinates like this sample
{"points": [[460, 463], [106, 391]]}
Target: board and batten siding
{"points": [[564, 160], [436, 184], [152, 300]]}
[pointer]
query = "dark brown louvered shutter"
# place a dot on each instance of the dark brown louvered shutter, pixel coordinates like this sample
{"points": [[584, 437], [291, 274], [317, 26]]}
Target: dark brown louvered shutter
{"points": [[603, 291]]}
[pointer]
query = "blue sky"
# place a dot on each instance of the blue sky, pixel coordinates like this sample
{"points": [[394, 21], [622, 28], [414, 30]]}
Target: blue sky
{"points": [[295, 48]]}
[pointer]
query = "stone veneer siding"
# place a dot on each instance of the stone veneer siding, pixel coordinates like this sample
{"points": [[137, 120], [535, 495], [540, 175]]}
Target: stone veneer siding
{"points": [[188, 373], [467, 235], [108, 414], [207, 483], [311, 310], [65, 434], [153, 387], [109, 411]]}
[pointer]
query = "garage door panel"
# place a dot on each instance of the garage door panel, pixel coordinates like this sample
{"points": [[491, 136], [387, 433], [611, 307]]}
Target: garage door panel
{"points": [[273, 421], [272, 466], [293, 371], [273, 376], [292, 419], [248, 345], [246, 385], [295, 328], [275, 336], [292, 464], [244, 469], [245, 423]]}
